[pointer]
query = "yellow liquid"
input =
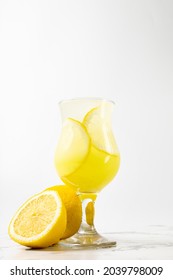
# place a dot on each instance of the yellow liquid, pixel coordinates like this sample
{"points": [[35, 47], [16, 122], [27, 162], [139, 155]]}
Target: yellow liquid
{"points": [[96, 171]]}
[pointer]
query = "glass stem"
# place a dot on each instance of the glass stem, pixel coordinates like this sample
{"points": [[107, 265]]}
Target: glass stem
{"points": [[88, 212]]}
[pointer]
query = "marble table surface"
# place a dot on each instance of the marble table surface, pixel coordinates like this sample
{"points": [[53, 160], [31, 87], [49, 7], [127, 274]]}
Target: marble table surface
{"points": [[153, 242]]}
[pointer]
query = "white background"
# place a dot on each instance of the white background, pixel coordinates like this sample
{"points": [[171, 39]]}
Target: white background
{"points": [[121, 50]]}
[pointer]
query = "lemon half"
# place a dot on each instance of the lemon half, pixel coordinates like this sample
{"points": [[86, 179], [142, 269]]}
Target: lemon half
{"points": [[40, 222], [73, 207]]}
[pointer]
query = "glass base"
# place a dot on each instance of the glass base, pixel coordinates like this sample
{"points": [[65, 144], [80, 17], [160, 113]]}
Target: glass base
{"points": [[83, 241]]}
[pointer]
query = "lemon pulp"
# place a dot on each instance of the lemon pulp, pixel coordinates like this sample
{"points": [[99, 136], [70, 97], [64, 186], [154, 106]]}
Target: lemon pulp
{"points": [[40, 222]]}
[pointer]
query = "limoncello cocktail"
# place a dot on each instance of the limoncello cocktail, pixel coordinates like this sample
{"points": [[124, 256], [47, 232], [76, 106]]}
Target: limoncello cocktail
{"points": [[87, 159]]}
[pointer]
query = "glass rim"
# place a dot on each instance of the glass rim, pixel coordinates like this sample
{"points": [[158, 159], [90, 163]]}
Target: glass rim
{"points": [[85, 98]]}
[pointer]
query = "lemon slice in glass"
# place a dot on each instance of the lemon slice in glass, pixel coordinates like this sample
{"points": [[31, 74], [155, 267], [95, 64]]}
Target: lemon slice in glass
{"points": [[73, 147], [98, 125]]}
